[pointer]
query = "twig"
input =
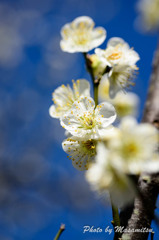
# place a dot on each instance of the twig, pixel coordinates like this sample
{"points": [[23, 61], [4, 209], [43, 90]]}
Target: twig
{"points": [[62, 228], [152, 235]]}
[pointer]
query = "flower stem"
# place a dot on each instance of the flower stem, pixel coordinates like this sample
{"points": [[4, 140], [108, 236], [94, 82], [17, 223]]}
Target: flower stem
{"points": [[95, 83], [89, 68], [62, 228]]}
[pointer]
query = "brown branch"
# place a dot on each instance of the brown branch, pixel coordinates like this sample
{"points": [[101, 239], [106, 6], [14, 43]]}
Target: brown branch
{"points": [[151, 111], [144, 206]]}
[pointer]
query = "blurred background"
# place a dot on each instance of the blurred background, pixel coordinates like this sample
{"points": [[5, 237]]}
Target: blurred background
{"points": [[39, 188]]}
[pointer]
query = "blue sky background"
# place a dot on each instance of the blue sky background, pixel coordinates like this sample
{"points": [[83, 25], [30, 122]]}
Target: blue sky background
{"points": [[39, 188]]}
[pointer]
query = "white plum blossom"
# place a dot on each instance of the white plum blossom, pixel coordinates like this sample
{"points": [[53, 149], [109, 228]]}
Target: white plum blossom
{"points": [[81, 36], [149, 10], [122, 61], [118, 52], [125, 103], [65, 96], [81, 152], [86, 121], [134, 146], [130, 150], [103, 175]]}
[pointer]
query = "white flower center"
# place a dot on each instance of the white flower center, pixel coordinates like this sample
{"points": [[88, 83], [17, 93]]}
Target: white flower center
{"points": [[116, 54], [90, 145], [81, 35], [130, 150]]}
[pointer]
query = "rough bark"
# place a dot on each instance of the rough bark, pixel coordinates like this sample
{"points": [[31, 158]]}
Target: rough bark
{"points": [[144, 206]]}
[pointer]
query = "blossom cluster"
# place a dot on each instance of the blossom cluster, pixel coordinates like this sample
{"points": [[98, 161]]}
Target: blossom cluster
{"points": [[129, 151], [84, 122], [110, 150]]}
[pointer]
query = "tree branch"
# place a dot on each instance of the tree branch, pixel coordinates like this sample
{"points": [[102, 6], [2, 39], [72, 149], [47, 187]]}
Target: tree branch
{"points": [[144, 206], [151, 111]]}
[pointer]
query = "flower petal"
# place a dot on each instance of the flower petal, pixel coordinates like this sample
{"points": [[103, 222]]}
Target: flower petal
{"points": [[83, 22], [64, 96], [66, 31], [113, 89], [107, 110], [53, 113], [83, 87], [80, 152], [115, 41], [98, 36]]}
